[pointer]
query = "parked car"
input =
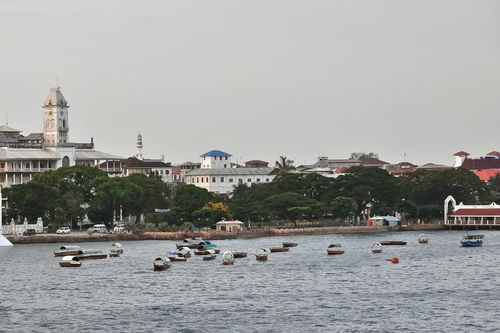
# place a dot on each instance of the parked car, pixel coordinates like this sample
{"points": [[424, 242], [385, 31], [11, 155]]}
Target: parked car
{"points": [[99, 228], [119, 228], [29, 232], [63, 230]]}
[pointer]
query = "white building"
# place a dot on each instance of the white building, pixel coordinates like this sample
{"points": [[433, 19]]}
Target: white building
{"points": [[23, 156], [217, 176]]}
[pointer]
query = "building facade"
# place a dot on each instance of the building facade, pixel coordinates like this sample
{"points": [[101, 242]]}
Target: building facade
{"points": [[21, 157], [217, 176]]}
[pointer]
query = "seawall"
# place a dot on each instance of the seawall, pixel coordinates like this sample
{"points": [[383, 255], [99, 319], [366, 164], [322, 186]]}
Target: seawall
{"points": [[214, 235]]}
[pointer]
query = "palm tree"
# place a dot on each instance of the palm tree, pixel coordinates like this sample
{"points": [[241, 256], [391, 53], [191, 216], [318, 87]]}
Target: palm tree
{"points": [[284, 165]]}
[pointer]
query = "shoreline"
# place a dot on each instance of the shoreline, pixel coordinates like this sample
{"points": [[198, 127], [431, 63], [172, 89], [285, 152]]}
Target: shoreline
{"points": [[217, 235]]}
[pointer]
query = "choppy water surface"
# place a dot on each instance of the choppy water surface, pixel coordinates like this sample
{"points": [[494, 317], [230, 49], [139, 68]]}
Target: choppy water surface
{"points": [[436, 287]]}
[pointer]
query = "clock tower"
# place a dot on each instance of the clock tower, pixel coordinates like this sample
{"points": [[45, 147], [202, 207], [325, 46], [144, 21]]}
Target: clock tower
{"points": [[55, 119]]}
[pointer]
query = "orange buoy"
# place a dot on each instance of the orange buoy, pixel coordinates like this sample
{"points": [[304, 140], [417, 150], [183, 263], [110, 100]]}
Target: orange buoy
{"points": [[394, 260]]}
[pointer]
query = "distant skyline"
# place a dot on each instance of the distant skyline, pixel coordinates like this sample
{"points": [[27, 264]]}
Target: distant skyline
{"points": [[259, 79]]}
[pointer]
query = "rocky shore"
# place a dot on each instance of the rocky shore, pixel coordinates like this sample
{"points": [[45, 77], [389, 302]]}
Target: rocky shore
{"points": [[213, 235]]}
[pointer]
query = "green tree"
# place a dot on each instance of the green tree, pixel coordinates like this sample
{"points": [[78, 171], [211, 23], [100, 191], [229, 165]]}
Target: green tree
{"points": [[188, 199], [155, 192], [285, 205], [283, 165], [343, 207]]}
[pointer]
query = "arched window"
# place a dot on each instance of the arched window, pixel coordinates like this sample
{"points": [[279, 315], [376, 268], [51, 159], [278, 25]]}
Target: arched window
{"points": [[65, 161]]}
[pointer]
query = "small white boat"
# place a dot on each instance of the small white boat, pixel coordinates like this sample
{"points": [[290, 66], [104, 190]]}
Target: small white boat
{"points": [[91, 254], [228, 258], [423, 239], [261, 255], [5, 245], [377, 248], [161, 264], [335, 249], [70, 261], [118, 247], [114, 253]]}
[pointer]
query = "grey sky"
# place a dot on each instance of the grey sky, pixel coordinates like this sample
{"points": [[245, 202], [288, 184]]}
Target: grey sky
{"points": [[260, 79]]}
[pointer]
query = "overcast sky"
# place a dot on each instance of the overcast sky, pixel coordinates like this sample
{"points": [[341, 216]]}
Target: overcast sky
{"points": [[259, 79]]}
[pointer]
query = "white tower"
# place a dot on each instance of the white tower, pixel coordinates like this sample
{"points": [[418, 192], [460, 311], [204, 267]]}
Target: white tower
{"points": [[55, 118], [139, 147]]}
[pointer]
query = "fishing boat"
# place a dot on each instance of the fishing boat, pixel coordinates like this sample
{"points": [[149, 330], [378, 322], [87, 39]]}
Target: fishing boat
{"points": [[377, 248], [279, 249], [334, 249], [185, 252], [113, 252], [91, 254], [67, 250], [70, 261], [393, 243], [118, 247], [423, 239], [204, 252], [228, 258], [5, 245], [176, 256], [472, 240], [289, 244], [209, 257], [195, 243], [261, 255], [161, 264], [239, 254]]}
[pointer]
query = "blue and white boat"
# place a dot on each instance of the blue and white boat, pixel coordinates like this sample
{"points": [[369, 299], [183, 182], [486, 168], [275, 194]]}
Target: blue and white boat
{"points": [[472, 240]]}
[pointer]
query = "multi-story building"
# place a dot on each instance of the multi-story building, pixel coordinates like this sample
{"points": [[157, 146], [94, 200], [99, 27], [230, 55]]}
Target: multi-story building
{"points": [[23, 156], [217, 176]]}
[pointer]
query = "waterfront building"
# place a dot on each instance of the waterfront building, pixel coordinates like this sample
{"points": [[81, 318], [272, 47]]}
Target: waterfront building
{"points": [[21, 156], [465, 215], [217, 176], [231, 225], [138, 164]]}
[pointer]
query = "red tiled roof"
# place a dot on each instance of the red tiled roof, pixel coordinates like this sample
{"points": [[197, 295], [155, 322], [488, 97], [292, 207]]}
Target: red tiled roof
{"points": [[341, 170], [481, 163], [486, 174], [370, 161], [176, 170], [461, 153], [477, 212], [493, 153], [136, 163]]}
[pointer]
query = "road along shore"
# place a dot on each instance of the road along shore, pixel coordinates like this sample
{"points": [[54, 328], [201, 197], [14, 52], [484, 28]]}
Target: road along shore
{"points": [[214, 235]]}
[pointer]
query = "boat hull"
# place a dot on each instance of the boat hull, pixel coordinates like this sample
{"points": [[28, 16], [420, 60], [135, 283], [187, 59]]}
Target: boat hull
{"points": [[93, 256], [376, 251], [393, 243], [239, 254], [289, 244], [261, 257], [471, 243], [209, 257], [423, 241], [279, 249], [65, 253], [70, 264], [178, 259], [228, 262], [335, 252], [160, 267]]}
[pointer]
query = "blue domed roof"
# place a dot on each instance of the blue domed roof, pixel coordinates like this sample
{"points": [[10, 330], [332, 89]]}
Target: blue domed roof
{"points": [[215, 153]]}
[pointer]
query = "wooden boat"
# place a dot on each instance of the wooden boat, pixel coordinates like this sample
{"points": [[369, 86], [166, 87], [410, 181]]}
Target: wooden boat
{"points": [[196, 243], [203, 252], [228, 258], [289, 244], [184, 252], [114, 253], [118, 247], [70, 261], [377, 248], [279, 249], [393, 243], [176, 256], [239, 254], [423, 239], [161, 264], [91, 254], [209, 257], [261, 255], [334, 249], [67, 250], [472, 240]]}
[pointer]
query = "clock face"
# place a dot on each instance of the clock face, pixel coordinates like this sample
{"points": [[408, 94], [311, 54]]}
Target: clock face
{"points": [[51, 113]]}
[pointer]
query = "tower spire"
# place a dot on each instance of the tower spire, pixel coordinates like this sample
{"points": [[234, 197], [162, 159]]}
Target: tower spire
{"points": [[139, 147]]}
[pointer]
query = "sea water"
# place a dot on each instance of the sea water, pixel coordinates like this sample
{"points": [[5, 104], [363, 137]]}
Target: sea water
{"points": [[436, 287]]}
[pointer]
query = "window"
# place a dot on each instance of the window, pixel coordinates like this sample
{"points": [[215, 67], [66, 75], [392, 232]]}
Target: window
{"points": [[258, 180], [225, 165], [2, 165], [249, 180], [226, 158], [240, 181], [161, 172], [222, 179], [230, 180], [27, 165], [202, 179], [207, 179], [197, 179], [213, 179], [267, 180]]}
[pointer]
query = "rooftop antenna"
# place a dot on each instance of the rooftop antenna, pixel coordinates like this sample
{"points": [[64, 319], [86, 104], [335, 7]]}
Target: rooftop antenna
{"points": [[57, 81], [6, 119], [405, 157]]}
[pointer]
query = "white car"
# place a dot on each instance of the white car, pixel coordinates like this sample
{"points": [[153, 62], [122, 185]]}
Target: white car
{"points": [[63, 230], [119, 228]]}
